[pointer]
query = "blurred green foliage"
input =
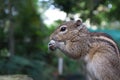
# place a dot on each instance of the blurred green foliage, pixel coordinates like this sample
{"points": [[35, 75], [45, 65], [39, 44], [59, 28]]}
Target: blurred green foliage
{"points": [[30, 36], [96, 10]]}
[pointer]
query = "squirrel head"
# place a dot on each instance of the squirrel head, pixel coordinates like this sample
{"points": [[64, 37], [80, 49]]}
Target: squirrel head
{"points": [[69, 30]]}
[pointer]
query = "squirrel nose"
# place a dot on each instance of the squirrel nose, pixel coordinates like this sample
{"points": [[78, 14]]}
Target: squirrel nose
{"points": [[52, 42], [51, 45]]}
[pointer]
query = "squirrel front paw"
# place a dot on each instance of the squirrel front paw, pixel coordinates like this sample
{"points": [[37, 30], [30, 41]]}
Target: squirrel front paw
{"points": [[51, 45]]}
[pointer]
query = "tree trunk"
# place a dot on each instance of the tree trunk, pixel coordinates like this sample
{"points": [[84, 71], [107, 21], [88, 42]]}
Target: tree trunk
{"points": [[11, 31]]}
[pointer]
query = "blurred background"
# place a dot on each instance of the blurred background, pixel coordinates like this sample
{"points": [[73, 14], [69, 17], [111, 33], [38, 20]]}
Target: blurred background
{"points": [[25, 26]]}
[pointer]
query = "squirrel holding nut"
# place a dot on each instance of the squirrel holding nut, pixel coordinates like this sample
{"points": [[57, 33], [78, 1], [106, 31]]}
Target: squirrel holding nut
{"points": [[99, 50]]}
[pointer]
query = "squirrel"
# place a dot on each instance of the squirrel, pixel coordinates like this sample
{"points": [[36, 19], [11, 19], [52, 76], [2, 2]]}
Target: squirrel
{"points": [[99, 50]]}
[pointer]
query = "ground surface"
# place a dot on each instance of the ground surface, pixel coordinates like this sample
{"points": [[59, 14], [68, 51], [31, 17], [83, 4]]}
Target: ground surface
{"points": [[15, 77]]}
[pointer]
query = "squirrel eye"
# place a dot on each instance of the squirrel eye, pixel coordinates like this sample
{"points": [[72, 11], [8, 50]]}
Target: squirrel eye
{"points": [[63, 29]]}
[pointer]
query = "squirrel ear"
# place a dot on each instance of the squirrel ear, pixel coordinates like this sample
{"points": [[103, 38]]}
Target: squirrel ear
{"points": [[78, 22]]}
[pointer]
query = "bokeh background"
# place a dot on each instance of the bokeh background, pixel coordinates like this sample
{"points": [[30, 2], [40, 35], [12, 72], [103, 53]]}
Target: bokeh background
{"points": [[25, 26]]}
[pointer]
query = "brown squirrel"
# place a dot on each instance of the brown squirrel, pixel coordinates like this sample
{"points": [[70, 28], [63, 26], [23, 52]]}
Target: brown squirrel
{"points": [[99, 50]]}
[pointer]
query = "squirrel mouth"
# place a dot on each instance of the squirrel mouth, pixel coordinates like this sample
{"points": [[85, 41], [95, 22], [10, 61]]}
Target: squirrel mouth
{"points": [[51, 45], [52, 48]]}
